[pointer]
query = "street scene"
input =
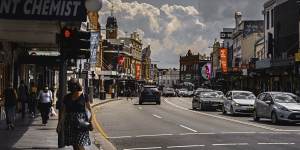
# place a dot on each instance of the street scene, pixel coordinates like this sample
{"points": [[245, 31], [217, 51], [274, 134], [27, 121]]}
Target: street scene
{"points": [[142, 75]]}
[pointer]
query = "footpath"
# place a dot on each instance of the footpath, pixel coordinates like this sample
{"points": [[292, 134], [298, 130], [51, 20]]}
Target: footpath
{"points": [[30, 134]]}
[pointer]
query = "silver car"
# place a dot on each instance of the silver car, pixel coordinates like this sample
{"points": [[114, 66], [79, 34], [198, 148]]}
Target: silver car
{"points": [[207, 100], [239, 102], [277, 106]]}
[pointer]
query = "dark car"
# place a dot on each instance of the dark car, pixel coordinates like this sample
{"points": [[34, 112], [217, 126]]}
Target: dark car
{"points": [[150, 94], [208, 100]]}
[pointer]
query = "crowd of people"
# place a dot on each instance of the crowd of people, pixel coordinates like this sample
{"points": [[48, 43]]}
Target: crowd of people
{"points": [[75, 114], [27, 101]]}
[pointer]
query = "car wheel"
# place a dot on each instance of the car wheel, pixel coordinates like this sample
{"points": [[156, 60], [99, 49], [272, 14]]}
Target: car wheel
{"points": [[158, 103], [255, 117], [232, 111], [140, 102], [223, 110], [274, 118]]}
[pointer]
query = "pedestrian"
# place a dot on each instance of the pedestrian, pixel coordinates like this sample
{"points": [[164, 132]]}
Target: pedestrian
{"points": [[23, 97], [128, 94], [45, 103], [32, 99], [10, 103], [75, 107]]}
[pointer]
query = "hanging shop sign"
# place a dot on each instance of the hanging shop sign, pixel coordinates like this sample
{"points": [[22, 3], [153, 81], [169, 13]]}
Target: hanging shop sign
{"points": [[62, 10], [137, 71]]}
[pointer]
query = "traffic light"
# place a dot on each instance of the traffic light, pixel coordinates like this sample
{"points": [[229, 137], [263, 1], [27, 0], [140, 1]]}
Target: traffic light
{"points": [[74, 43]]}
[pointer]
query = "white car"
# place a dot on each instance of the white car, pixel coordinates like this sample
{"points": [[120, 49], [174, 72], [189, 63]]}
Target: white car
{"points": [[182, 92], [277, 106], [239, 102], [169, 92]]}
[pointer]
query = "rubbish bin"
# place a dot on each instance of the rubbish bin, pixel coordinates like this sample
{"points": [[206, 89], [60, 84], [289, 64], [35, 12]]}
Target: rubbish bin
{"points": [[102, 95]]}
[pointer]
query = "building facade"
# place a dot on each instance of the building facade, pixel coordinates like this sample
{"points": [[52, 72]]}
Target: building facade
{"points": [[169, 77]]}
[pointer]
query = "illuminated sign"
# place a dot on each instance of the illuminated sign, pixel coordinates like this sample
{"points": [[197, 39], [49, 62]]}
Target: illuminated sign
{"points": [[223, 58], [137, 71], [206, 71]]}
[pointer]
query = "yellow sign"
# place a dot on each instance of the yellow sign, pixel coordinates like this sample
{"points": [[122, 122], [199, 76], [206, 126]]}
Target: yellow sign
{"points": [[297, 57]]}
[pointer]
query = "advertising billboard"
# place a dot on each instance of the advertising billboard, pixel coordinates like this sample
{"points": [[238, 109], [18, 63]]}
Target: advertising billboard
{"points": [[206, 71], [224, 60]]}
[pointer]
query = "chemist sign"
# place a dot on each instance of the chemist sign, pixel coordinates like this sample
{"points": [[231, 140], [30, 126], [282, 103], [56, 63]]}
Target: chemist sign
{"points": [[62, 10]]}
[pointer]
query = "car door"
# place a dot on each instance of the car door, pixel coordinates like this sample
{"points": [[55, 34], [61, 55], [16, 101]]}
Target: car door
{"points": [[266, 107], [259, 104], [227, 102]]}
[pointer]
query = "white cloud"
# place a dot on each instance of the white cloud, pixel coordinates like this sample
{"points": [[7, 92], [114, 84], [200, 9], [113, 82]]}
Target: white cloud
{"points": [[171, 29]]}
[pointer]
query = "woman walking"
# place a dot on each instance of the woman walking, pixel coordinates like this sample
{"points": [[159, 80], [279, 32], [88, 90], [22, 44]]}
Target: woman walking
{"points": [[32, 99], [74, 108], [45, 102]]}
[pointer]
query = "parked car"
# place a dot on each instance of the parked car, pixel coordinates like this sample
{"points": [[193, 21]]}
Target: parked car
{"points": [[182, 92], [239, 102], [150, 94], [168, 92], [277, 106], [208, 100]]}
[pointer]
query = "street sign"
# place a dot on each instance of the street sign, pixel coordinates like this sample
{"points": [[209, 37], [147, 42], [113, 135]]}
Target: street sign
{"points": [[87, 66]]}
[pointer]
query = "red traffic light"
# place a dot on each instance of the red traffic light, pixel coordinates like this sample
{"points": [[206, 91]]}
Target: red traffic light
{"points": [[67, 33]]}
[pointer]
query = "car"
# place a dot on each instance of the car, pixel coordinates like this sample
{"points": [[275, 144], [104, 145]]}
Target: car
{"points": [[168, 92], [239, 102], [208, 100], [277, 106], [150, 94], [182, 92], [198, 90]]}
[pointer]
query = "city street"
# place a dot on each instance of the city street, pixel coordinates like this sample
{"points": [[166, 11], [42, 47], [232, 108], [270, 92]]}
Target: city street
{"points": [[173, 125]]}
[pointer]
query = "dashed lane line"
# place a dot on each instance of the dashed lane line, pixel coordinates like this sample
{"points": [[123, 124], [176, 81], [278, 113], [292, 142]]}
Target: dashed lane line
{"points": [[223, 118], [275, 143], [154, 135], [183, 126], [185, 146], [157, 116], [197, 133], [230, 144], [144, 148]]}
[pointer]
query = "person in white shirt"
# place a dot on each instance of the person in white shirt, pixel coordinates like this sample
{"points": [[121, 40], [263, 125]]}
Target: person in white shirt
{"points": [[45, 101]]}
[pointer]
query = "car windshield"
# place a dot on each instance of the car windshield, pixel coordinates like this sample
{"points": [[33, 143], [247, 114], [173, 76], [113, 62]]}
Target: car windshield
{"points": [[150, 91], [243, 95], [209, 95], [285, 98], [220, 93]]}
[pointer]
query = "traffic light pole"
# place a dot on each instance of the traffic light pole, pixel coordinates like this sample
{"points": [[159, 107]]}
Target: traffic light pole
{"points": [[62, 78]]}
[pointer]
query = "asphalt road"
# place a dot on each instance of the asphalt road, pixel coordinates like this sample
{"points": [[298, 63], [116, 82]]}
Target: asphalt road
{"points": [[173, 125]]}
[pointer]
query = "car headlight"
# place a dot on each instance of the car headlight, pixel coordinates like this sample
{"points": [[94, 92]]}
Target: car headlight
{"points": [[236, 104], [283, 108]]}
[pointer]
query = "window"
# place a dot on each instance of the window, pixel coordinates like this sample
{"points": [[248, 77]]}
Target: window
{"points": [[272, 18], [268, 20]]}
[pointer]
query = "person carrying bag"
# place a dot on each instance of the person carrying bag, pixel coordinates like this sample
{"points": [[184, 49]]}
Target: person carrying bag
{"points": [[75, 118]]}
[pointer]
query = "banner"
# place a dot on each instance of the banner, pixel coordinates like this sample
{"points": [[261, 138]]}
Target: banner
{"points": [[61, 10], [223, 58], [94, 46]]}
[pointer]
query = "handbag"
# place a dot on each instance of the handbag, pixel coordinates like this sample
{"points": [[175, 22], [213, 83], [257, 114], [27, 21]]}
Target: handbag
{"points": [[84, 123]]}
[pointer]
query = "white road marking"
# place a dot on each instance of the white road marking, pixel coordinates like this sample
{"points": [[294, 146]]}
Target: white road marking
{"points": [[230, 144], [238, 132], [185, 146], [140, 108], [157, 116], [144, 148], [120, 137], [188, 128], [275, 143], [154, 135], [197, 134], [223, 118]]}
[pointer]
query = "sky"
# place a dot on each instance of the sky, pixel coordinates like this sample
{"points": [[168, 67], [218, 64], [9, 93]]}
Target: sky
{"points": [[172, 27]]}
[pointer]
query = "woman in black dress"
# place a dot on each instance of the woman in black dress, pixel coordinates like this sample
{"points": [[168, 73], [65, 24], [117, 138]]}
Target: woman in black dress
{"points": [[74, 107]]}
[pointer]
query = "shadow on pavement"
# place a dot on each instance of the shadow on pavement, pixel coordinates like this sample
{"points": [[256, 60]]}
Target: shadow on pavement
{"points": [[9, 138]]}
